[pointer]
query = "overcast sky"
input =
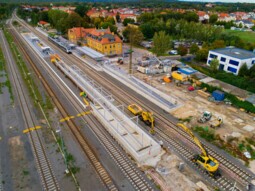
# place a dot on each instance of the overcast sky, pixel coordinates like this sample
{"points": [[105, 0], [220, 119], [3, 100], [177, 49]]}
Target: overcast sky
{"points": [[226, 1]]}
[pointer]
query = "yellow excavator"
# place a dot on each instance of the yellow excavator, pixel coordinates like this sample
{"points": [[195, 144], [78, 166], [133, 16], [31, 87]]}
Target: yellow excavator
{"points": [[207, 162], [145, 116]]}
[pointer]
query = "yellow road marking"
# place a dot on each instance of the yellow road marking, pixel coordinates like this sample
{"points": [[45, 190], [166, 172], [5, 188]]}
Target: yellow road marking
{"points": [[31, 129]]}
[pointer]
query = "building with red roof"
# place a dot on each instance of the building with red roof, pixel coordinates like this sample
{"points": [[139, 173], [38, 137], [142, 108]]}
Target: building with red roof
{"points": [[101, 40]]}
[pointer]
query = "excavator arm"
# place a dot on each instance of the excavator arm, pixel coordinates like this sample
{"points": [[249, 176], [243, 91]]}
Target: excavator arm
{"points": [[195, 139]]}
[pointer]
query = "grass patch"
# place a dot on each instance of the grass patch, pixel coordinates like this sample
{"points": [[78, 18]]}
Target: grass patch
{"points": [[247, 36], [7, 82], [187, 119], [232, 146], [25, 172], [32, 87]]}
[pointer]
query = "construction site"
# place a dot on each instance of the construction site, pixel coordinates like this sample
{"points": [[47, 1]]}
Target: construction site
{"points": [[210, 115]]}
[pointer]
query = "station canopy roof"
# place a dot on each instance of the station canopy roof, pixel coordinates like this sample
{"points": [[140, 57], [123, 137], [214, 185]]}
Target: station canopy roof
{"points": [[90, 52]]}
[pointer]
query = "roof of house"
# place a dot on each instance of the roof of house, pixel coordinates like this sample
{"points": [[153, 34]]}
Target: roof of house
{"points": [[235, 53], [81, 31], [223, 15], [201, 13], [43, 22]]}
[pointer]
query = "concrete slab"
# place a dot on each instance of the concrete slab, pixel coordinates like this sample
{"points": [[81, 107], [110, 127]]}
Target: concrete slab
{"points": [[248, 128]]}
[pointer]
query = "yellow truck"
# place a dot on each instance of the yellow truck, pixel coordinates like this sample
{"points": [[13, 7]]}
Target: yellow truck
{"points": [[146, 116]]}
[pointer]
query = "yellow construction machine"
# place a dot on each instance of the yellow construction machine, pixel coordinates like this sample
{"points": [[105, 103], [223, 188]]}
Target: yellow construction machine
{"points": [[145, 116], [54, 58], [207, 162]]}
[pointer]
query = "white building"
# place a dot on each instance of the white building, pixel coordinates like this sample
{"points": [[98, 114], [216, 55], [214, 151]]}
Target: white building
{"points": [[245, 23], [231, 59]]}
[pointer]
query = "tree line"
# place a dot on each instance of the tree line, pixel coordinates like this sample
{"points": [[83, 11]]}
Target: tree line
{"points": [[63, 21]]}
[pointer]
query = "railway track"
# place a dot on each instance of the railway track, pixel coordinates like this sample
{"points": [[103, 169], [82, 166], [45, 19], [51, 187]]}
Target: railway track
{"points": [[45, 171], [241, 175], [102, 173], [129, 168]]}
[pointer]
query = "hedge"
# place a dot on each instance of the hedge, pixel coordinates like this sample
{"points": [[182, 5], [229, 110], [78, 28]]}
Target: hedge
{"points": [[249, 107]]}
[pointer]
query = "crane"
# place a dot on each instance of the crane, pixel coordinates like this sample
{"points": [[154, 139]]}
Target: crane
{"points": [[207, 162]]}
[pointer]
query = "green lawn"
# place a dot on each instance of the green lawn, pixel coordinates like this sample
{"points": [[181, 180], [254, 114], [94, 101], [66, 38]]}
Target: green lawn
{"points": [[244, 35]]}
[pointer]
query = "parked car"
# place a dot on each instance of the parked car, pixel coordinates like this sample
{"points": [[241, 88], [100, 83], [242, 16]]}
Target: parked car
{"points": [[173, 52]]}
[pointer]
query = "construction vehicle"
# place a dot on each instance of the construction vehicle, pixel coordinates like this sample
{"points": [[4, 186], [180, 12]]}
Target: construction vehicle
{"points": [[167, 78], [178, 76], [205, 117], [145, 116], [207, 162], [216, 123], [54, 58], [120, 61]]}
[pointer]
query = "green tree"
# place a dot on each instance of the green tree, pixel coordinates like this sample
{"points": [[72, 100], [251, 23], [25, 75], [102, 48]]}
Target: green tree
{"points": [[147, 30], [252, 71], [118, 17], [194, 48], [43, 16], [82, 9], [105, 25], [191, 16], [110, 20], [214, 65], [244, 71], [128, 20], [55, 16], [161, 42], [218, 44], [133, 34], [182, 50], [73, 20], [213, 18], [202, 54]]}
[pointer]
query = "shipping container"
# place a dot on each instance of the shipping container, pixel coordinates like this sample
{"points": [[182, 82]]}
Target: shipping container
{"points": [[218, 95]]}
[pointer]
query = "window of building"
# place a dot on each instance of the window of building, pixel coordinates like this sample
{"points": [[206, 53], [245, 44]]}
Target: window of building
{"points": [[110, 46], [233, 62], [105, 47], [222, 59], [253, 62], [232, 69], [209, 61], [213, 56]]}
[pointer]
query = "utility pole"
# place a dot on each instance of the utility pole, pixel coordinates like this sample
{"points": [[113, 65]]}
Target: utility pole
{"points": [[130, 58]]}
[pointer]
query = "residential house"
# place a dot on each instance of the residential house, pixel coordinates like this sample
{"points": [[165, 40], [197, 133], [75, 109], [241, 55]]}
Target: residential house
{"points": [[245, 23], [78, 33], [130, 16], [203, 16], [231, 59], [226, 17], [43, 24]]}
